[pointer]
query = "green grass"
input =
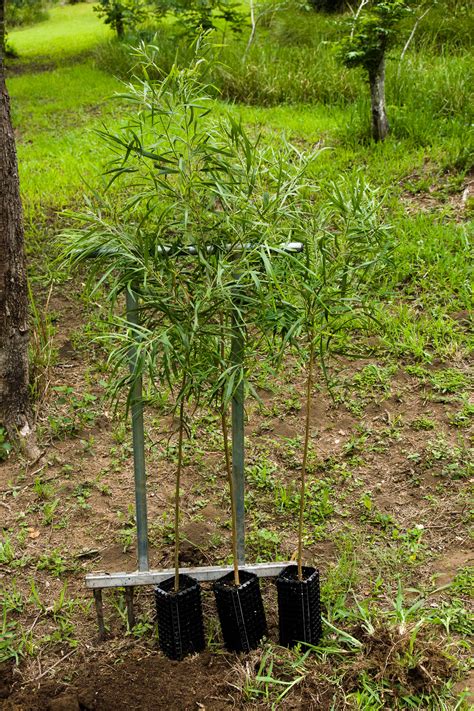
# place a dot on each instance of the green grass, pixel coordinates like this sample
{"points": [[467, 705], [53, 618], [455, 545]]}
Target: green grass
{"points": [[70, 30], [56, 113]]}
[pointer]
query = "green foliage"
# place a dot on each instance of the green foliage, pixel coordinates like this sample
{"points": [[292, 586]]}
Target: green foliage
{"points": [[122, 14], [25, 12], [373, 29], [190, 181], [203, 15], [346, 244], [5, 446]]}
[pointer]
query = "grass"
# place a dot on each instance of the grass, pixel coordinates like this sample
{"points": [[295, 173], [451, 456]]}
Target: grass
{"points": [[56, 113], [69, 31]]}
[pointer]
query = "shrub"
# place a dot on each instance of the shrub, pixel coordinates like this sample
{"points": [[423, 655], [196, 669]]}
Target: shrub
{"points": [[25, 12]]}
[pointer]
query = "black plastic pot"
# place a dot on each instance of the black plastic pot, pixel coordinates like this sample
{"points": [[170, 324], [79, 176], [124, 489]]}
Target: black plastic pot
{"points": [[299, 606], [179, 614], [240, 610]]}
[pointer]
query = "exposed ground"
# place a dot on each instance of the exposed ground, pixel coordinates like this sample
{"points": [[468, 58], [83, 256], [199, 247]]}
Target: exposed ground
{"points": [[388, 517]]}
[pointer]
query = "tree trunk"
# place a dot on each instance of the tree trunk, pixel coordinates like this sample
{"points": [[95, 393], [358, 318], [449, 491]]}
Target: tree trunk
{"points": [[14, 381], [2, 33], [119, 26], [377, 99]]}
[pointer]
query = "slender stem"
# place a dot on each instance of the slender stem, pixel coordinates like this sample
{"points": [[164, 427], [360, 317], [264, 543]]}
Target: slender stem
{"points": [[309, 386], [178, 482], [232, 498], [228, 466]]}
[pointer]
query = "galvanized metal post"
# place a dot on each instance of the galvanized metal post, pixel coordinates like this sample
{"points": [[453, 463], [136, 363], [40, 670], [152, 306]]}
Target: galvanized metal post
{"points": [[138, 443], [99, 607], [238, 445]]}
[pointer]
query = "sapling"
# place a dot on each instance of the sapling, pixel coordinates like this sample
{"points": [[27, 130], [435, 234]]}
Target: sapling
{"points": [[177, 489], [228, 465], [374, 28]]}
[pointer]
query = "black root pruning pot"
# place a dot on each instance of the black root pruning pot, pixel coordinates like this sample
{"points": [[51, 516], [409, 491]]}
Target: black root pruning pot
{"points": [[180, 624], [178, 599], [240, 610], [299, 606]]}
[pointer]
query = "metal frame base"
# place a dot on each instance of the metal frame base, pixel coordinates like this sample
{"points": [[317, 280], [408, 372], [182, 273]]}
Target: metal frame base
{"points": [[100, 581], [153, 577]]}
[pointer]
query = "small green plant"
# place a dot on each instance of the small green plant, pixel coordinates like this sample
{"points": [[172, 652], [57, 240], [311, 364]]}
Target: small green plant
{"points": [[265, 543], [448, 380], [82, 493], [463, 582], [75, 412], [5, 446], [423, 423], [7, 552], [49, 510], [53, 562], [463, 417], [44, 490]]}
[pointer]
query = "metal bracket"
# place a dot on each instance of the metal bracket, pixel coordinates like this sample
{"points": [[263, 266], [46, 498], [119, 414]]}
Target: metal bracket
{"points": [[143, 576]]}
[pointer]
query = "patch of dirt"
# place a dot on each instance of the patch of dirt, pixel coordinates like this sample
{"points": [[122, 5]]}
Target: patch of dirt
{"points": [[144, 683], [440, 195], [450, 563]]}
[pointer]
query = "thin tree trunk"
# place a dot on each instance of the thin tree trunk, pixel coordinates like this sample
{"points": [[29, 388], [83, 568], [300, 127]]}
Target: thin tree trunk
{"points": [[309, 387], [377, 100], [177, 492], [15, 413], [119, 26], [232, 497], [228, 466]]}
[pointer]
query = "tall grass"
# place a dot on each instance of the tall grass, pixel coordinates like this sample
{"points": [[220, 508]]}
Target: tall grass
{"points": [[293, 61]]}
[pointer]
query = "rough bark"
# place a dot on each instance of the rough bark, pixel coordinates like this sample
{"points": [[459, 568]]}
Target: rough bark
{"points": [[15, 413], [2, 31], [377, 100]]}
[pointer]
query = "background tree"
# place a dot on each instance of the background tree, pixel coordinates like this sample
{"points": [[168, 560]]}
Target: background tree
{"points": [[15, 413], [122, 14], [198, 15], [374, 28]]}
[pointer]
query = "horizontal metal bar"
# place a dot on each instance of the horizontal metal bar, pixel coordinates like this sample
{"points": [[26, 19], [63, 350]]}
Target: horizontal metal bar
{"points": [[152, 577]]}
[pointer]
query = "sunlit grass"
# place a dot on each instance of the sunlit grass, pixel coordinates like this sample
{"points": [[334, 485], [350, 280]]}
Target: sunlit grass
{"points": [[70, 30], [55, 114]]}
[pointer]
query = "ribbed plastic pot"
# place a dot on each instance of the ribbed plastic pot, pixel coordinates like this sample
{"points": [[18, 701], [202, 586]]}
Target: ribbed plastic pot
{"points": [[240, 610], [299, 606], [179, 614]]}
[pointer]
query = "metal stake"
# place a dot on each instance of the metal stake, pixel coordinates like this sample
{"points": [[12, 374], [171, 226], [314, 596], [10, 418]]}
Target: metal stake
{"points": [[99, 607], [130, 611], [138, 444], [238, 446]]}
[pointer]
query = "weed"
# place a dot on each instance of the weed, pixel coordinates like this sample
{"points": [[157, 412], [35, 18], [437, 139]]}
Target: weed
{"points": [[423, 423], [448, 380], [82, 492], [463, 417], [463, 583], [49, 510], [7, 552], [43, 490], [53, 562], [5, 446], [265, 544], [77, 412]]}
